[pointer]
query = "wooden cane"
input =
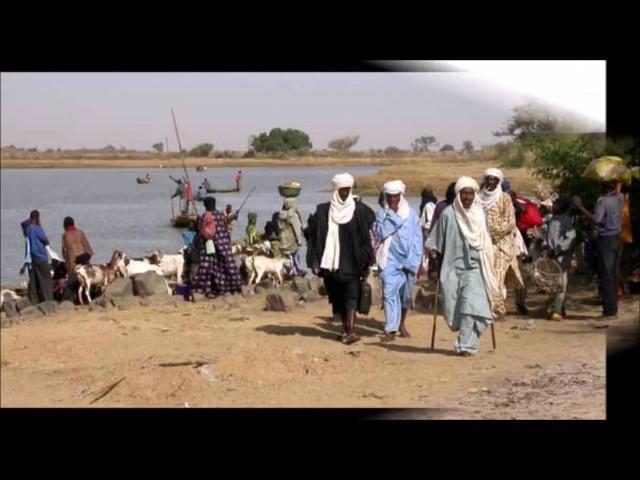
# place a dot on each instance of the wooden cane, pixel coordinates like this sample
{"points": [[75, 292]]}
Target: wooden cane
{"points": [[493, 335], [435, 314]]}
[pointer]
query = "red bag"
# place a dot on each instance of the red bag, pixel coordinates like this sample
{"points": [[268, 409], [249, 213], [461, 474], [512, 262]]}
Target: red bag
{"points": [[208, 226], [530, 218]]}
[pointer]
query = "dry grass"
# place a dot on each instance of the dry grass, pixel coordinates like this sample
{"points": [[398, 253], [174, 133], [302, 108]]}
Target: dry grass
{"points": [[190, 162], [439, 171], [436, 170]]}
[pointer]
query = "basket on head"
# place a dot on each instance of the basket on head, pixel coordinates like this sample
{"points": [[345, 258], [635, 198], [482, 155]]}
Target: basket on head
{"points": [[290, 189], [548, 276]]}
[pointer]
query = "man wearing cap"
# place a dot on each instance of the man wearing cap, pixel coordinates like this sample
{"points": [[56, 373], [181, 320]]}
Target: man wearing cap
{"points": [[398, 256], [339, 250], [501, 220], [462, 241]]}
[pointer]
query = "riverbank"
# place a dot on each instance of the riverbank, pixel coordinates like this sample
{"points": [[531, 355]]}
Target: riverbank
{"points": [[436, 170]]}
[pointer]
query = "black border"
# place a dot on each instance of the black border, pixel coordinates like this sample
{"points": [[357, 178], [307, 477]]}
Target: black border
{"points": [[117, 54]]}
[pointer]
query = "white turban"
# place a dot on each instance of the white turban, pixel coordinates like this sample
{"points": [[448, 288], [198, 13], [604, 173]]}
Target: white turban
{"points": [[489, 198], [473, 226], [394, 187], [340, 213], [466, 182], [494, 172], [342, 180]]}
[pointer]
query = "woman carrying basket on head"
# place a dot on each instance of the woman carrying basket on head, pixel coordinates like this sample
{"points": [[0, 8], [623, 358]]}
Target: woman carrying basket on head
{"points": [[560, 242]]}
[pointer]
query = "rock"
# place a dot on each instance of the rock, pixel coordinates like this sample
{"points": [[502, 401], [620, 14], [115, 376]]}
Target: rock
{"points": [[265, 283], [23, 303], [322, 291], [531, 325], [6, 321], [120, 287], [199, 297], [246, 291], [11, 309], [297, 351], [31, 312], [281, 302], [150, 284], [123, 303], [300, 285], [311, 296], [66, 306], [48, 308]]}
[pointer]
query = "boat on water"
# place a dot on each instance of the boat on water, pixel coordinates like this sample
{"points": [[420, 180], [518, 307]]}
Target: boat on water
{"points": [[201, 168], [223, 190], [143, 180], [183, 220]]}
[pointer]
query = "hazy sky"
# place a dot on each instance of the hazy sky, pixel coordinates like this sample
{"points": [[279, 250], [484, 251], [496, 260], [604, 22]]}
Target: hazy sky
{"points": [[92, 110]]}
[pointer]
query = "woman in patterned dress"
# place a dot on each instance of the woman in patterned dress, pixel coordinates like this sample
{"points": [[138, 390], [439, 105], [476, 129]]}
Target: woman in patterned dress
{"points": [[217, 272]]}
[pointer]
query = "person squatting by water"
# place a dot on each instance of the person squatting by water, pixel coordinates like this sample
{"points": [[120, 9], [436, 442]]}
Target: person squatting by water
{"points": [[339, 250]]}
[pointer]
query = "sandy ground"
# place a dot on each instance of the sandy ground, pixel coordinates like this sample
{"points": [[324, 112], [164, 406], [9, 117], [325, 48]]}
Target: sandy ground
{"points": [[266, 359]]}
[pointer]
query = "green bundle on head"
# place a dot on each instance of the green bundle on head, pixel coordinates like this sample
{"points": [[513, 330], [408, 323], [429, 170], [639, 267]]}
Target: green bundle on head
{"points": [[252, 217]]}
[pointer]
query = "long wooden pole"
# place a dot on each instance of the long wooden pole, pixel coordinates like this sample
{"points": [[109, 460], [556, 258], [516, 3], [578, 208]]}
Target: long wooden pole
{"points": [[184, 165]]}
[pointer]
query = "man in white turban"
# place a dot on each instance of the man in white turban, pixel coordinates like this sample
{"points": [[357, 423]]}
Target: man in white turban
{"points": [[399, 253], [462, 243], [501, 220], [339, 250]]}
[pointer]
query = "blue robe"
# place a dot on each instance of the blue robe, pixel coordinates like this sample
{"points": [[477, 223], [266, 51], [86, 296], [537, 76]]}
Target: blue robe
{"points": [[405, 253], [464, 297]]}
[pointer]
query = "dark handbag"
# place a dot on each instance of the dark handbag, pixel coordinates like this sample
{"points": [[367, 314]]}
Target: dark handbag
{"points": [[364, 301]]}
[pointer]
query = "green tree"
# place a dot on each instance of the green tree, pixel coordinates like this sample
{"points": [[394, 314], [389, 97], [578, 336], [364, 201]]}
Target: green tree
{"points": [[158, 147], [447, 148], [202, 150], [279, 141], [467, 146], [422, 144], [344, 144]]}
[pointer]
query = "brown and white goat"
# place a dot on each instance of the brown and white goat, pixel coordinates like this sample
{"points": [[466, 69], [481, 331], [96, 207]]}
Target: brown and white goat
{"points": [[99, 275]]}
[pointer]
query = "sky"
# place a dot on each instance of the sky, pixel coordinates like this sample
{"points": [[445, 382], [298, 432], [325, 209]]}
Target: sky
{"points": [[133, 110]]}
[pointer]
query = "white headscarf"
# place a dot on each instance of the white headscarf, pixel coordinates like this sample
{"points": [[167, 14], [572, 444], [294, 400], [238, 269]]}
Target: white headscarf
{"points": [[394, 187], [489, 198], [340, 212], [473, 225]]}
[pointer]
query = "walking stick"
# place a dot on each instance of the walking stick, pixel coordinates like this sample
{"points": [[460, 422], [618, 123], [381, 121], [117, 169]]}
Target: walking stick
{"points": [[435, 314], [493, 336]]}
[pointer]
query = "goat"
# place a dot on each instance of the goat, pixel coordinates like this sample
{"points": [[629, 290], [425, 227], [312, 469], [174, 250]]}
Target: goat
{"points": [[259, 265], [169, 264], [99, 275]]}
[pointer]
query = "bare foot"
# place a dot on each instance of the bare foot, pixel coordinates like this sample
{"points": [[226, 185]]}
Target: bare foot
{"points": [[389, 337], [352, 338], [404, 333]]}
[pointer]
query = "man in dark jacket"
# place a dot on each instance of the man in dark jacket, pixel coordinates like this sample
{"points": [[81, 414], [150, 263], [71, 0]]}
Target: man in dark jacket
{"points": [[339, 250]]}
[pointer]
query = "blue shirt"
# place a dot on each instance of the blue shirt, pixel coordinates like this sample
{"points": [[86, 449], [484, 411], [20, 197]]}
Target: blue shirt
{"points": [[608, 214], [37, 239]]}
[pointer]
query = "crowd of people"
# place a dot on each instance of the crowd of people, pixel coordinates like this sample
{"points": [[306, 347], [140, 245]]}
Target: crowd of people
{"points": [[472, 242]]}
